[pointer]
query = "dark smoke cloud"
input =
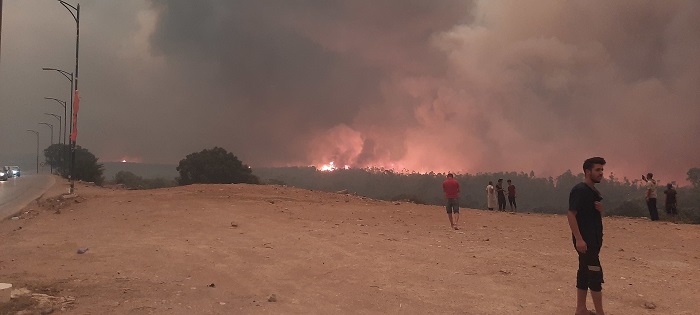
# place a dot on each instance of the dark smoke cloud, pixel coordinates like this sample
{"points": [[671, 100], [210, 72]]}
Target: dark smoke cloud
{"points": [[450, 84], [286, 72], [470, 86]]}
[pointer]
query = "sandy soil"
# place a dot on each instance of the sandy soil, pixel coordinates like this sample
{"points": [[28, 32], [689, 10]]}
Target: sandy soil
{"points": [[227, 249]]}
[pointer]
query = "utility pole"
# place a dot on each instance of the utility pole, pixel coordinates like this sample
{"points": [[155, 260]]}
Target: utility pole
{"points": [[0, 26], [75, 12]]}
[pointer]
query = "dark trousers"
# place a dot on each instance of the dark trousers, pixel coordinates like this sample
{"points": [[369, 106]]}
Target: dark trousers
{"points": [[501, 202], [653, 212], [671, 209]]}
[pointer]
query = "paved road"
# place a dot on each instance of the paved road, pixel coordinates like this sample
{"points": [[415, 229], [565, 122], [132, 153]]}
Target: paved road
{"points": [[15, 193]]}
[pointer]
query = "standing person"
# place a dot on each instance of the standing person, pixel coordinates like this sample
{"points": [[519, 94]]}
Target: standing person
{"points": [[586, 224], [490, 196], [501, 195], [451, 188], [650, 196], [671, 203], [511, 196]]}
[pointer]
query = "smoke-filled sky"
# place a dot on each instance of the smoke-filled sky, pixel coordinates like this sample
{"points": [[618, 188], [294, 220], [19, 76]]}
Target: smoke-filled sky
{"points": [[452, 85]]}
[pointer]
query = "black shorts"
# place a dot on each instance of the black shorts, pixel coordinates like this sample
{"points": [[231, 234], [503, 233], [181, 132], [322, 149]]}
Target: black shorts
{"points": [[590, 272], [452, 205]]}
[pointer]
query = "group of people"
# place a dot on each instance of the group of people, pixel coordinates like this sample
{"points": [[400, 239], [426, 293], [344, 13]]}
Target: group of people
{"points": [[650, 196], [585, 221], [451, 188], [497, 195]]}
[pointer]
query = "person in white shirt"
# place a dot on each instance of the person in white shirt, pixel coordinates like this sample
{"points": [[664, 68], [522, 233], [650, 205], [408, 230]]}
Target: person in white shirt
{"points": [[650, 197], [490, 196]]}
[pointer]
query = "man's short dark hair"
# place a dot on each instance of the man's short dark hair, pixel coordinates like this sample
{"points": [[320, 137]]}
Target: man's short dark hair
{"points": [[508, 181], [650, 175], [588, 164], [450, 175]]}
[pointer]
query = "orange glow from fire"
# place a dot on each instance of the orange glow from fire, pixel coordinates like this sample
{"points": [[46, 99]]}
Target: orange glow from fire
{"points": [[331, 167]]}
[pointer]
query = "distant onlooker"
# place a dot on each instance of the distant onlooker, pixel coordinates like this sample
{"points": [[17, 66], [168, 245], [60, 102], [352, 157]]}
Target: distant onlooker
{"points": [[511, 196], [651, 197], [501, 195], [671, 202], [451, 188], [490, 196]]}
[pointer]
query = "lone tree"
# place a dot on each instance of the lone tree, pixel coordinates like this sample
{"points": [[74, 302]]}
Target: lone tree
{"points": [[214, 166], [86, 166]]}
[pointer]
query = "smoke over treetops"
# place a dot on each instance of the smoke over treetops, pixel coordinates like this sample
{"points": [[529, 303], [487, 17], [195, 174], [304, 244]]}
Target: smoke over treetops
{"points": [[448, 85]]}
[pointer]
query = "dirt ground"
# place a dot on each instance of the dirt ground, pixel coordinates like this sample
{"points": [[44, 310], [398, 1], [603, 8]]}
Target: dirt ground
{"points": [[246, 249]]}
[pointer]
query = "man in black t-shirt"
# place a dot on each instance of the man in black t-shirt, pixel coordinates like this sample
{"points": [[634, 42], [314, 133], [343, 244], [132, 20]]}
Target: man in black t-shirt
{"points": [[585, 220], [501, 195], [671, 203]]}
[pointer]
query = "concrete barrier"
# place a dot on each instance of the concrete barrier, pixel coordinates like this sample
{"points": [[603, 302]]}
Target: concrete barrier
{"points": [[5, 290]]}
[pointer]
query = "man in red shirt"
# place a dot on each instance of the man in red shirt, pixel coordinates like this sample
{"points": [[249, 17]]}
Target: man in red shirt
{"points": [[451, 188]]}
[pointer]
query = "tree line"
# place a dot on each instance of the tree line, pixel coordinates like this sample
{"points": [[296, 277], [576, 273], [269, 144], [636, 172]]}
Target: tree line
{"points": [[209, 166], [622, 196]]}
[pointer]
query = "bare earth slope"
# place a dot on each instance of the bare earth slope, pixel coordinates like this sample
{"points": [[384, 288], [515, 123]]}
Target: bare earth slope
{"points": [[226, 249]]}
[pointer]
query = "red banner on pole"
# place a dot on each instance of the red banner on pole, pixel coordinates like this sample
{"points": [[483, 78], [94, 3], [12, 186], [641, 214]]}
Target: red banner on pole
{"points": [[76, 103]]}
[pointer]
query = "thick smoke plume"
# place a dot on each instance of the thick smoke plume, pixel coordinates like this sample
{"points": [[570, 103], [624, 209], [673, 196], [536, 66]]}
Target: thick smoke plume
{"points": [[448, 85], [465, 86]]}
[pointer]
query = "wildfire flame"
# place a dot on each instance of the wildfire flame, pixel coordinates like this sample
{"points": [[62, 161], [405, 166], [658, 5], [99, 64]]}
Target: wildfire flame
{"points": [[331, 167]]}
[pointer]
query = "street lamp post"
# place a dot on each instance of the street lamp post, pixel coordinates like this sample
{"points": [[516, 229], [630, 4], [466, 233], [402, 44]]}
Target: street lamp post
{"points": [[37, 148], [50, 126], [75, 12], [63, 103], [59, 125], [69, 76], [0, 25]]}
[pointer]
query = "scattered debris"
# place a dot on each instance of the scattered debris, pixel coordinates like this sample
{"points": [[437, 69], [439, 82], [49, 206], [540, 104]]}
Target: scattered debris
{"points": [[38, 303], [272, 298], [235, 225], [82, 250], [69, 196], [15, 218], [649, 305], [212, 285]]}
